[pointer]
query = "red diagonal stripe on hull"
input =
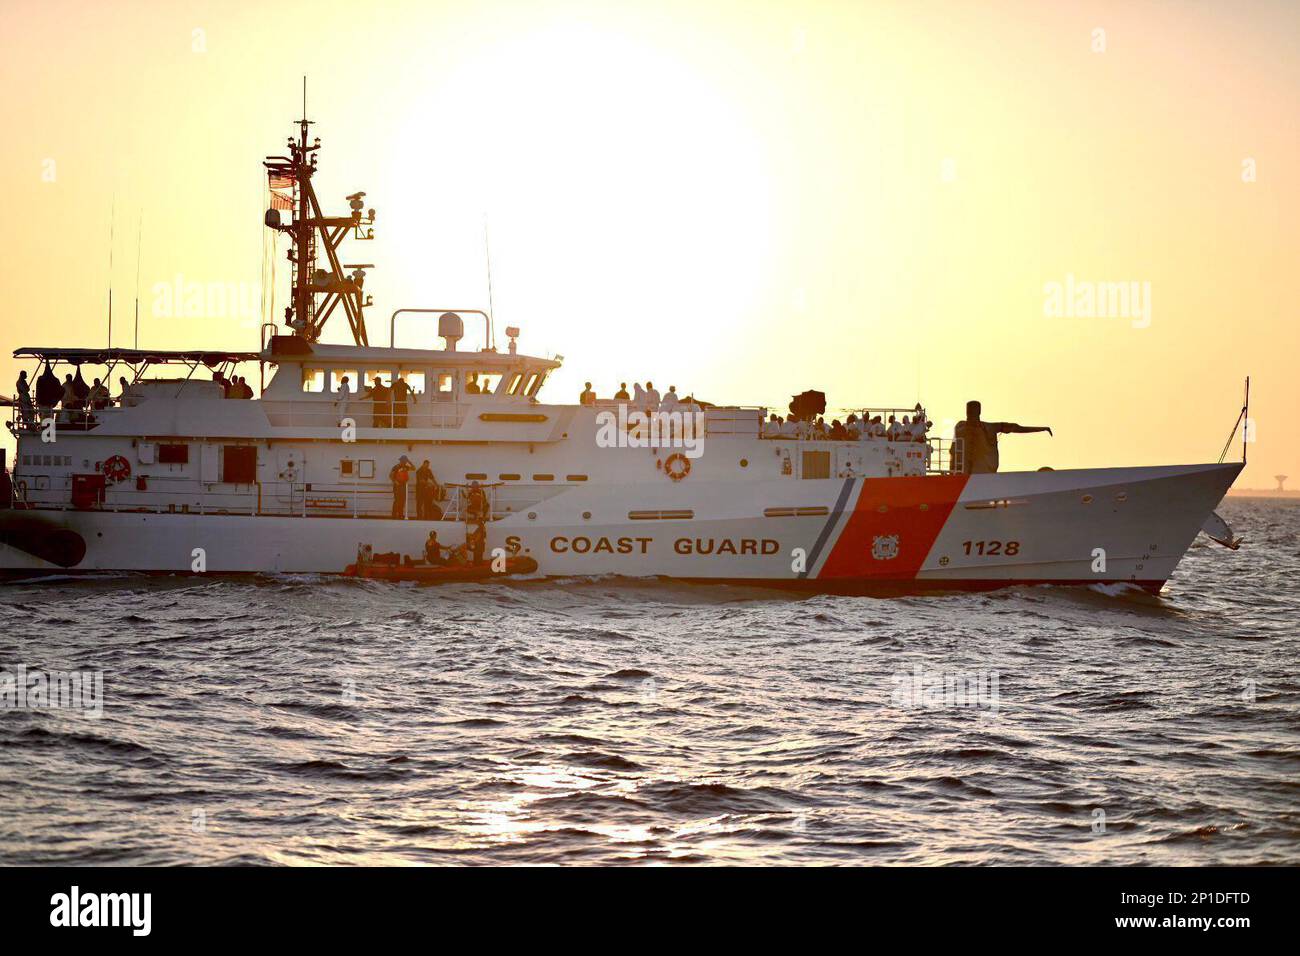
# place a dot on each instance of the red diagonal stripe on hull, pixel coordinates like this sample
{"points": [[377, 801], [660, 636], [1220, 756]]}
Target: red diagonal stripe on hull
{"points": [[913, 509]]}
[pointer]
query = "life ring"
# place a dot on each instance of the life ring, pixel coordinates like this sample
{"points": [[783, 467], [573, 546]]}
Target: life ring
{"points": [[677, 467], [116, 469]]}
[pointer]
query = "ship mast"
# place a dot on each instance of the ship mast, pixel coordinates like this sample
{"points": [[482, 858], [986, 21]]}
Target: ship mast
{"points": [[311, 230]]}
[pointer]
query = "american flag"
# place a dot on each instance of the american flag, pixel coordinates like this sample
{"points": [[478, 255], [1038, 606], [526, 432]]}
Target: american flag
{"points": [[281, 190]]}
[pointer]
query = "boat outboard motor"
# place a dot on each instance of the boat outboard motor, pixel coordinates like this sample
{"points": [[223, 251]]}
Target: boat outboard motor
{"points": [[48, 388], [808, 405]]}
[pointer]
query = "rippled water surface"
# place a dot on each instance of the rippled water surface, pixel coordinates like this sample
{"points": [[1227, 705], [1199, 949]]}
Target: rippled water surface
{"points": [[304, 720]]}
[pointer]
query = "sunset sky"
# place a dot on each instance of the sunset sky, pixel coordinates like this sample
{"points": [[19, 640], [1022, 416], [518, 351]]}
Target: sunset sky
{"points": [[745, 199]]}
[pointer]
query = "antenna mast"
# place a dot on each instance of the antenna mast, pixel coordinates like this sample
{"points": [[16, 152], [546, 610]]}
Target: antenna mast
{"points": [[112, 222], [139, 236], [487, 256], [289, 178]]}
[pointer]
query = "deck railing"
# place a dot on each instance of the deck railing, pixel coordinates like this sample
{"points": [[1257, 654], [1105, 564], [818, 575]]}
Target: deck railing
{"points": [[373, 499]]}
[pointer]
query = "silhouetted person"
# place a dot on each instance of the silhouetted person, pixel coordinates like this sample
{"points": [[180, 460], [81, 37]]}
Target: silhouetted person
{"points": [[401, 395], [476, 503], [98, 397], [381, 408], [621, 395], [979, 440], [400, 475], [433, 550], [475, 542], [24, 394], [588, 397], [426, 494], [471, 384]]}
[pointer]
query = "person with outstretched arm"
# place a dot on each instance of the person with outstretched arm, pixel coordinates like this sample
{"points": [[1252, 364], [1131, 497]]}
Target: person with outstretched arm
{"points": [[979, 440]]}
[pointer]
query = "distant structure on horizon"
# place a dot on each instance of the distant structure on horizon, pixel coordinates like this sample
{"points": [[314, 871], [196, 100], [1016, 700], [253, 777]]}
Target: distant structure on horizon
{"points": [[1280, 479]]}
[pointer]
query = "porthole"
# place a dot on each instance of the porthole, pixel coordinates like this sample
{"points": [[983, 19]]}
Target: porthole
{"points": [[532, 516], [1086, 499], [744, 463], [1121, 496], [586, 515]]}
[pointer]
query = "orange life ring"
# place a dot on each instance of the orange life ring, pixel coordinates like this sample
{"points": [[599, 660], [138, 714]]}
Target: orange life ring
{"points": [[677, 467], [116, 469]]}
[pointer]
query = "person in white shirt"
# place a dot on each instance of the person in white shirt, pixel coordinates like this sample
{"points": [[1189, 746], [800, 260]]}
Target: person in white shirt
{"points": [[772, 427], [893, 430], [670, 400], [651, 396], [638, 395], [853, 427], [790, 428]]}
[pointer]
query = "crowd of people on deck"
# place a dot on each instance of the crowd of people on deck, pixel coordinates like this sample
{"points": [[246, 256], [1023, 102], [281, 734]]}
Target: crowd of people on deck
{"points": [[74, 395], [645, 399], [234, 387], [912, 428], [390, 404]]}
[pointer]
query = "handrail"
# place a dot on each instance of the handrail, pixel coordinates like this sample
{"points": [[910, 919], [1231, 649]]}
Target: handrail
{"points": [[488, 338]]}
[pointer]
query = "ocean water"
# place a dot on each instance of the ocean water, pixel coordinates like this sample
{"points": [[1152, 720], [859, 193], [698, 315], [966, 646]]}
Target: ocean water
{"points": [[300, 720]]}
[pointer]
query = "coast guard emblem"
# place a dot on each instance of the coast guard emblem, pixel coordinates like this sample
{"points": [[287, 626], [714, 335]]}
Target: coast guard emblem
{"points": [[884, 547]]}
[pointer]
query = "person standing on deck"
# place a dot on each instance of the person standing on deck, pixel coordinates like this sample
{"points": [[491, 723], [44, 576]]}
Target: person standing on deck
{"points": [[380, 397], [24, 393], [979, 440], [426, 493], [401, 395], [400, 476]]}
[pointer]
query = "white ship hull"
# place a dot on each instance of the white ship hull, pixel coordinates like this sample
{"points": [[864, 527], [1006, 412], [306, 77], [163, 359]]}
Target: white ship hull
{"points": [[857, 534]]}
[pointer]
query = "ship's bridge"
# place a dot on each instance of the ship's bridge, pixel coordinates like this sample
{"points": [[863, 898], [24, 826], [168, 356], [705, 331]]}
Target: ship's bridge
{"points": [[439, 375]]}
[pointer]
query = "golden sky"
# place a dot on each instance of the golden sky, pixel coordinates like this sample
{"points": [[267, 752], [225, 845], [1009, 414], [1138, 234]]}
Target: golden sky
{"points": [[886, 201]]}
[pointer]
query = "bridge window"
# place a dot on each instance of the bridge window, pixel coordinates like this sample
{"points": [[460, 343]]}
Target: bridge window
{"points": [[534, 386], [339, 374], [313, 380], [442, 383], [415, 379], [487, 382], [515, 381]]}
